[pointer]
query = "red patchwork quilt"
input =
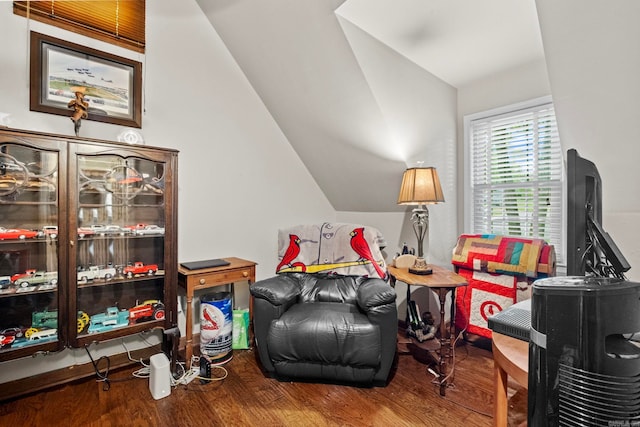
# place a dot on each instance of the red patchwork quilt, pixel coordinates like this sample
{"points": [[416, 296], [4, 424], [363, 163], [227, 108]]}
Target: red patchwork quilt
{"points": [[499, 271]]}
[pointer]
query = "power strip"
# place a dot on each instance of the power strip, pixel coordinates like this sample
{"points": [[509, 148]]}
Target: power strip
{"points": [[188, 376]]}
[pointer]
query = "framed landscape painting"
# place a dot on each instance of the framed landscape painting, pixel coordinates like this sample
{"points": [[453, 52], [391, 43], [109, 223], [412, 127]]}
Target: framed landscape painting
{"points": [[112, 85]]}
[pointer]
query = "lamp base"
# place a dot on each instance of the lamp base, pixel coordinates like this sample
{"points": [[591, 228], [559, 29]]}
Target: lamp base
{"points": [[420, 267]]}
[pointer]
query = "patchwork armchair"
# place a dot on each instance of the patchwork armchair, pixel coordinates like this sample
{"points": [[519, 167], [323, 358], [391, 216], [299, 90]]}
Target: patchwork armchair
{"points": [[329, 314], [500, 271]]}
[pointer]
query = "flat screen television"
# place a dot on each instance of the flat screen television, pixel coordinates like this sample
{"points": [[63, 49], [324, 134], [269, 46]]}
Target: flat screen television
{"points": [[590, 250]]}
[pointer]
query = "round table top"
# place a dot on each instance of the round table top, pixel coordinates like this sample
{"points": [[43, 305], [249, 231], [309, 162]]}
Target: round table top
{"points": [[512, 355]]}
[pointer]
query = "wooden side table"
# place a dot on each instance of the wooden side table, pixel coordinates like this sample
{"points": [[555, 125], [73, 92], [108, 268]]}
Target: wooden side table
{"points": [[510, 357], [238, 270], [442, 281]]}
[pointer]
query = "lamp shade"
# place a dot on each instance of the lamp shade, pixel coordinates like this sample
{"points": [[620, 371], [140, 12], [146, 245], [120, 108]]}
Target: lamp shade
{"points": [[420, 186]]}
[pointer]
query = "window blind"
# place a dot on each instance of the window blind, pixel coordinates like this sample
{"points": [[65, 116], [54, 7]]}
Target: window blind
{"points": [[517, 175], [120, 22]]}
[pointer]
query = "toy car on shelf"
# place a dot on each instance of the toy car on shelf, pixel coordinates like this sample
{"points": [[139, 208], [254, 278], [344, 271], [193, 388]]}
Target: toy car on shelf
{"points": [[96, 272], [85, 231], [148, 310], [33, 277], [102, 230], [17, 234], [151, 229], [50, 231], [5, 282], [140, 268], [6, 340], [15, 331], [36, 336], [112, 318]]}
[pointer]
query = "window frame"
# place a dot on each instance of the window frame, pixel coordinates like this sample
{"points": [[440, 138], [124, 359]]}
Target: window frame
{"points": [[468, 198]]}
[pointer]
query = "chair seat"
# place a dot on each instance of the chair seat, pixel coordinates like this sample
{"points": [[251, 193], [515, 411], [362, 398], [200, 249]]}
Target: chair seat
{"points": [[327, 333]]}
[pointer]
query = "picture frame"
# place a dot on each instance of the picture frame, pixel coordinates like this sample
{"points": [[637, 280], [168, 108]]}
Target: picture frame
{"points": [[112, 85]]}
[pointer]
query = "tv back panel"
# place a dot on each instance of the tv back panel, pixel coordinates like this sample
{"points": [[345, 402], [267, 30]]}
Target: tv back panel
{"points": [[514, 321]]}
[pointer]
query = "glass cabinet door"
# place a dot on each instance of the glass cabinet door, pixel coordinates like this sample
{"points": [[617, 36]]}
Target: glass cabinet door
{"points": [[119, 251], [30, 282]]}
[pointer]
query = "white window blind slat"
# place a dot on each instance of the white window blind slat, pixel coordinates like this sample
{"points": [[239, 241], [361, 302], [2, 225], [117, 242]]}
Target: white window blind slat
{"points": [[516, 175]]}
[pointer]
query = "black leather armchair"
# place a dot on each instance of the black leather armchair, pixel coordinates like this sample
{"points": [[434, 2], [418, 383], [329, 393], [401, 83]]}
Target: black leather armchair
{"points": [[326, 327]]}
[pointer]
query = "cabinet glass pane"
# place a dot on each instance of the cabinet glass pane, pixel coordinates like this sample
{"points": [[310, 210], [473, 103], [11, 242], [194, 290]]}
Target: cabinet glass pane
{"points": [[28, 246], [120, 242]]}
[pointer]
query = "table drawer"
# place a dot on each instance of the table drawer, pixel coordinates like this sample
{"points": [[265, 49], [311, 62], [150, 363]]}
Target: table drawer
{"points": [[223, 277]]}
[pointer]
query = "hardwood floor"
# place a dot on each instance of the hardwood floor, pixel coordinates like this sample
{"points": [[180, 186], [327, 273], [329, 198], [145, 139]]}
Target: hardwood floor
{"points": [[248, 398]]}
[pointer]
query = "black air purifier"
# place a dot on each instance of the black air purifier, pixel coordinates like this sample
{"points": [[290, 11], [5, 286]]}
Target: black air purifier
{"points": [[584, 360]]}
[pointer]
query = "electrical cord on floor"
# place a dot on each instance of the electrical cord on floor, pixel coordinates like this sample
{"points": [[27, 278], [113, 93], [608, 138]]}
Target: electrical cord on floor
{"points": [[102, 376]]}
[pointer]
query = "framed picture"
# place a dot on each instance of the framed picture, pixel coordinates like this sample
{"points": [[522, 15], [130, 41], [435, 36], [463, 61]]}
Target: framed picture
{"points": [[112, 85]]}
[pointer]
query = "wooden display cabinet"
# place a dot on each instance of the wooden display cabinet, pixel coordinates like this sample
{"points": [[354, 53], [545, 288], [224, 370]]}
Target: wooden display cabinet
{"points": [[96, 257]]}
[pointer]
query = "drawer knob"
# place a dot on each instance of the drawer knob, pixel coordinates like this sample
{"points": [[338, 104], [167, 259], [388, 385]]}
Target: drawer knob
{"points": [[202, 281]]}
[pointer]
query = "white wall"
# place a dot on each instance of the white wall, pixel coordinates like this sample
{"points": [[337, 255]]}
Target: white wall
{"points": [[239, 179], [592, 51], [509, 87]]}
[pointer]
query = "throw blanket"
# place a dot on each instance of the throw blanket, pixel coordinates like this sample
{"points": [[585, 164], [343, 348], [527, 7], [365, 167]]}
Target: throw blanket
{"points": [[499, 271], [332, 248], [505, 255]]}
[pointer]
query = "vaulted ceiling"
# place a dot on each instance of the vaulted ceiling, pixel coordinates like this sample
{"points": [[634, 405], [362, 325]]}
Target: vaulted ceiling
{"points": [[363, 89]]}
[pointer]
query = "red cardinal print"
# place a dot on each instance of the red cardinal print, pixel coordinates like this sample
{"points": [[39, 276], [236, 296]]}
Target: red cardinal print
{"points": [[361, 247], [291, 253]]}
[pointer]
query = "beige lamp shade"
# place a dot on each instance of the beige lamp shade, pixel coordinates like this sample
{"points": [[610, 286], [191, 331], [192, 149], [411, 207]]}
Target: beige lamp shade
{"points": [[420, 186]]}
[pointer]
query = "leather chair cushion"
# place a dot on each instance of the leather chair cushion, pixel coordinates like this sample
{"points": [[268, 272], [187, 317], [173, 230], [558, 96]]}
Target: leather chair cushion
{"points": [[327, 333]]}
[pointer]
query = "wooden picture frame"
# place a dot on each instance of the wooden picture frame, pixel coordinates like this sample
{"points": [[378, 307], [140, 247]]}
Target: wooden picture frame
{"points": [[112, 84]]}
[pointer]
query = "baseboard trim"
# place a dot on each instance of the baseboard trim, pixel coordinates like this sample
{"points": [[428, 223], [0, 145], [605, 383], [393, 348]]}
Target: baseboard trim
{"points": [[35, 383]]}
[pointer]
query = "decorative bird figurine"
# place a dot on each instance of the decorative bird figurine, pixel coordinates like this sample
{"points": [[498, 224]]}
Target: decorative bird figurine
{"points": [[291, 253], [361, 247]]}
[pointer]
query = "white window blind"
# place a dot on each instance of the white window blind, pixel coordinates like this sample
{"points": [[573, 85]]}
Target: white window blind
{"points": [[517, 175]]}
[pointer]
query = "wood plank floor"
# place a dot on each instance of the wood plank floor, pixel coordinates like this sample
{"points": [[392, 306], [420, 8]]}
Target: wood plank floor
{"points": [[248, 398]]}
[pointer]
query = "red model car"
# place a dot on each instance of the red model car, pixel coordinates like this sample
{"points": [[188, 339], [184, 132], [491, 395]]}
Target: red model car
{"points": [[6, 339], [140, 268], [17, 234]]}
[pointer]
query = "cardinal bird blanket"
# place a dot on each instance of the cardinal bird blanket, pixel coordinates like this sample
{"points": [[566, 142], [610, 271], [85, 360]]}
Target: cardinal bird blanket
{"points": [[499, 271], [332, 248]]}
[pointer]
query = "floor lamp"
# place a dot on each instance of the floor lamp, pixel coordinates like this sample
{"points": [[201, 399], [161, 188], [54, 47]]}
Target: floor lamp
{"points": [[420, 186]]}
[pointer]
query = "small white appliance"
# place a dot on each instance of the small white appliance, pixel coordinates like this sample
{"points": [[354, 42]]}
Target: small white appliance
{"points": [[160, 376]]}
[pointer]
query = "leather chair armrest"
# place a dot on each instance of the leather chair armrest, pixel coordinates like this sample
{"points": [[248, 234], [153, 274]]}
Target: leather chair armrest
{"points": [[278, 290], [373, 293]]}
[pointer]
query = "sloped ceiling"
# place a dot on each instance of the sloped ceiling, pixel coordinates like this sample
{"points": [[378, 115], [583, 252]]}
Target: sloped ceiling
{"points": [[363, 89]]}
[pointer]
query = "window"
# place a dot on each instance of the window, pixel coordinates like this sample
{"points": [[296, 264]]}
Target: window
{"points": [[515, 179], [119, 22]]}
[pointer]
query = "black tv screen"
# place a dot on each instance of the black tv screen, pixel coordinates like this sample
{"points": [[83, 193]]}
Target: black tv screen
{"points": [[590, 250]]}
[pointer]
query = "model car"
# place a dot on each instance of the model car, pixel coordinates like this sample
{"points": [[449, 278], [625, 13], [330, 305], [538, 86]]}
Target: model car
{"points": [[36, 336], [38, 278], [149, 230], [17, 332], [85, 231], [6, 340], [135, 227], [17, 234], [50, 231], [95, 272], [140, 268], [150, 309], [27, 273], [112, 318], [5, 282]]}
